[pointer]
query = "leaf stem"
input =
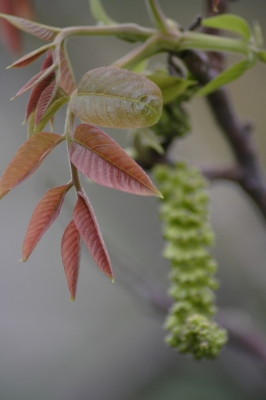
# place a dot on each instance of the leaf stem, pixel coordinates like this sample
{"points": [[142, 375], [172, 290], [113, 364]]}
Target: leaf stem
{"points": [[69, 133], [158, 16]]}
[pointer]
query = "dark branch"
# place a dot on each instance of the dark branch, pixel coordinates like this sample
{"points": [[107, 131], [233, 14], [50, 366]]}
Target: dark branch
{"points": [[232, 173]]}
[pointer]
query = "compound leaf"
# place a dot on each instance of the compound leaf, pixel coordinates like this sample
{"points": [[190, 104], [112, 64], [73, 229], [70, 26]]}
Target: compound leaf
{"points": [[101, 159], [44, 101], [27, 159], [89, 230], [116, 98], [70, 252], [229, 22], [42, 218], [41, 31]]}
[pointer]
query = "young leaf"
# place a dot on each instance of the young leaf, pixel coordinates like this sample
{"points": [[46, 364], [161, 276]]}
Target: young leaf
{"points": [[116, 98], [35, 80], [41, 31], [31, 125], [262, 56], [101, 159], [88, 228], [44, 101], [226, 77], [50, 112], [229, 22], [70, 251], [171, 86], [67, 80], [27, 159], [42, 218], [30, 57], [39, 88]]}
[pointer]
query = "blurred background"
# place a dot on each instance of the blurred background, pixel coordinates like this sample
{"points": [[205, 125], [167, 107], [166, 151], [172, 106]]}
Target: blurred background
{"points": [[109, 343]]}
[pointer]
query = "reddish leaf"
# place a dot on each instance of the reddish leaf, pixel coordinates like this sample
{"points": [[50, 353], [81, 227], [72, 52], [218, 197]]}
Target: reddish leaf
{"points": [[88, 228], [57, 103], [35, 80], [67, 80], [30, 57], [38, 89], [70, 251], [43, 216], [27, 159], [10, 35], [41, 31], [101, 159], [44, 101]]}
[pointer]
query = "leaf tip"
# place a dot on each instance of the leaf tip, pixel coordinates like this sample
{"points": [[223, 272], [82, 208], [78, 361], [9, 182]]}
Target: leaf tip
{"points": [[72, 298]]}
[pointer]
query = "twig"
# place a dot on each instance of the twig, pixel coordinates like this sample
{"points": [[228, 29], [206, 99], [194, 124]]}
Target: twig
{"points": [[232, 173]]}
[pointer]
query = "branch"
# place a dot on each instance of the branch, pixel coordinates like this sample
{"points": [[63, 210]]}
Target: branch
{"points": [[237, 134]]}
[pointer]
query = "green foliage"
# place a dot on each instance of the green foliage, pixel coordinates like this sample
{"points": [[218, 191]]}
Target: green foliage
{"points": [[188, 235], [229, 22]]}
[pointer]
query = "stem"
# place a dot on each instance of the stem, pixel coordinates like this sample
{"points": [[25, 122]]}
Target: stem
{"points": [[69, 133], [158, 16]]}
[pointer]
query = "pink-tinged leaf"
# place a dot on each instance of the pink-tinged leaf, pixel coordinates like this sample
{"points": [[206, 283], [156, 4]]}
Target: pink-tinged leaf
{"points": [[30, 57], [70, 251], [101, 159], [10, 35], [44, 101], [88, 228], [42, 218], [27, 159], [38, 89], [67, 80], [41, 31], [50, 112], [35, 80]]}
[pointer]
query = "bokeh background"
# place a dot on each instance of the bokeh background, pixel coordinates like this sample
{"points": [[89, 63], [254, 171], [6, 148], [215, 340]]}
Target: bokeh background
{"points": [[108, 344]]}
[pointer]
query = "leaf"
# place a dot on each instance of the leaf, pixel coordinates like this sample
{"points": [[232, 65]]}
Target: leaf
{"points": [[31, 125], [39, 88], [67, 80], [258, 34], [229, 22], [46, 211], [50, 112], [41, 31], [99, 13], [116, 98], [261, 56], [35, 80], [88, 228], [27, 159], [44, 101], [171, 86], [146, 138], [30, 57], [101, 159], [70, 251], [226, 77]]}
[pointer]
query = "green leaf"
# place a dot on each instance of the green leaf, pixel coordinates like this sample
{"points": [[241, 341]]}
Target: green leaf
{"points": [[227, 76], [171, 86], [229, 22], [261, 56], [146, 138], [258, 35], [116, 98], [99, 13]]}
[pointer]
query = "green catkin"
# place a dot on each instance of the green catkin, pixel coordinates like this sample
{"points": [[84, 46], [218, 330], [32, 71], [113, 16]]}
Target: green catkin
{"points": [[188, 235]]}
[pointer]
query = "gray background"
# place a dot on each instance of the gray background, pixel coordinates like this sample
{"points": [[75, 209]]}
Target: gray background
{"points": [[108, 344]]}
